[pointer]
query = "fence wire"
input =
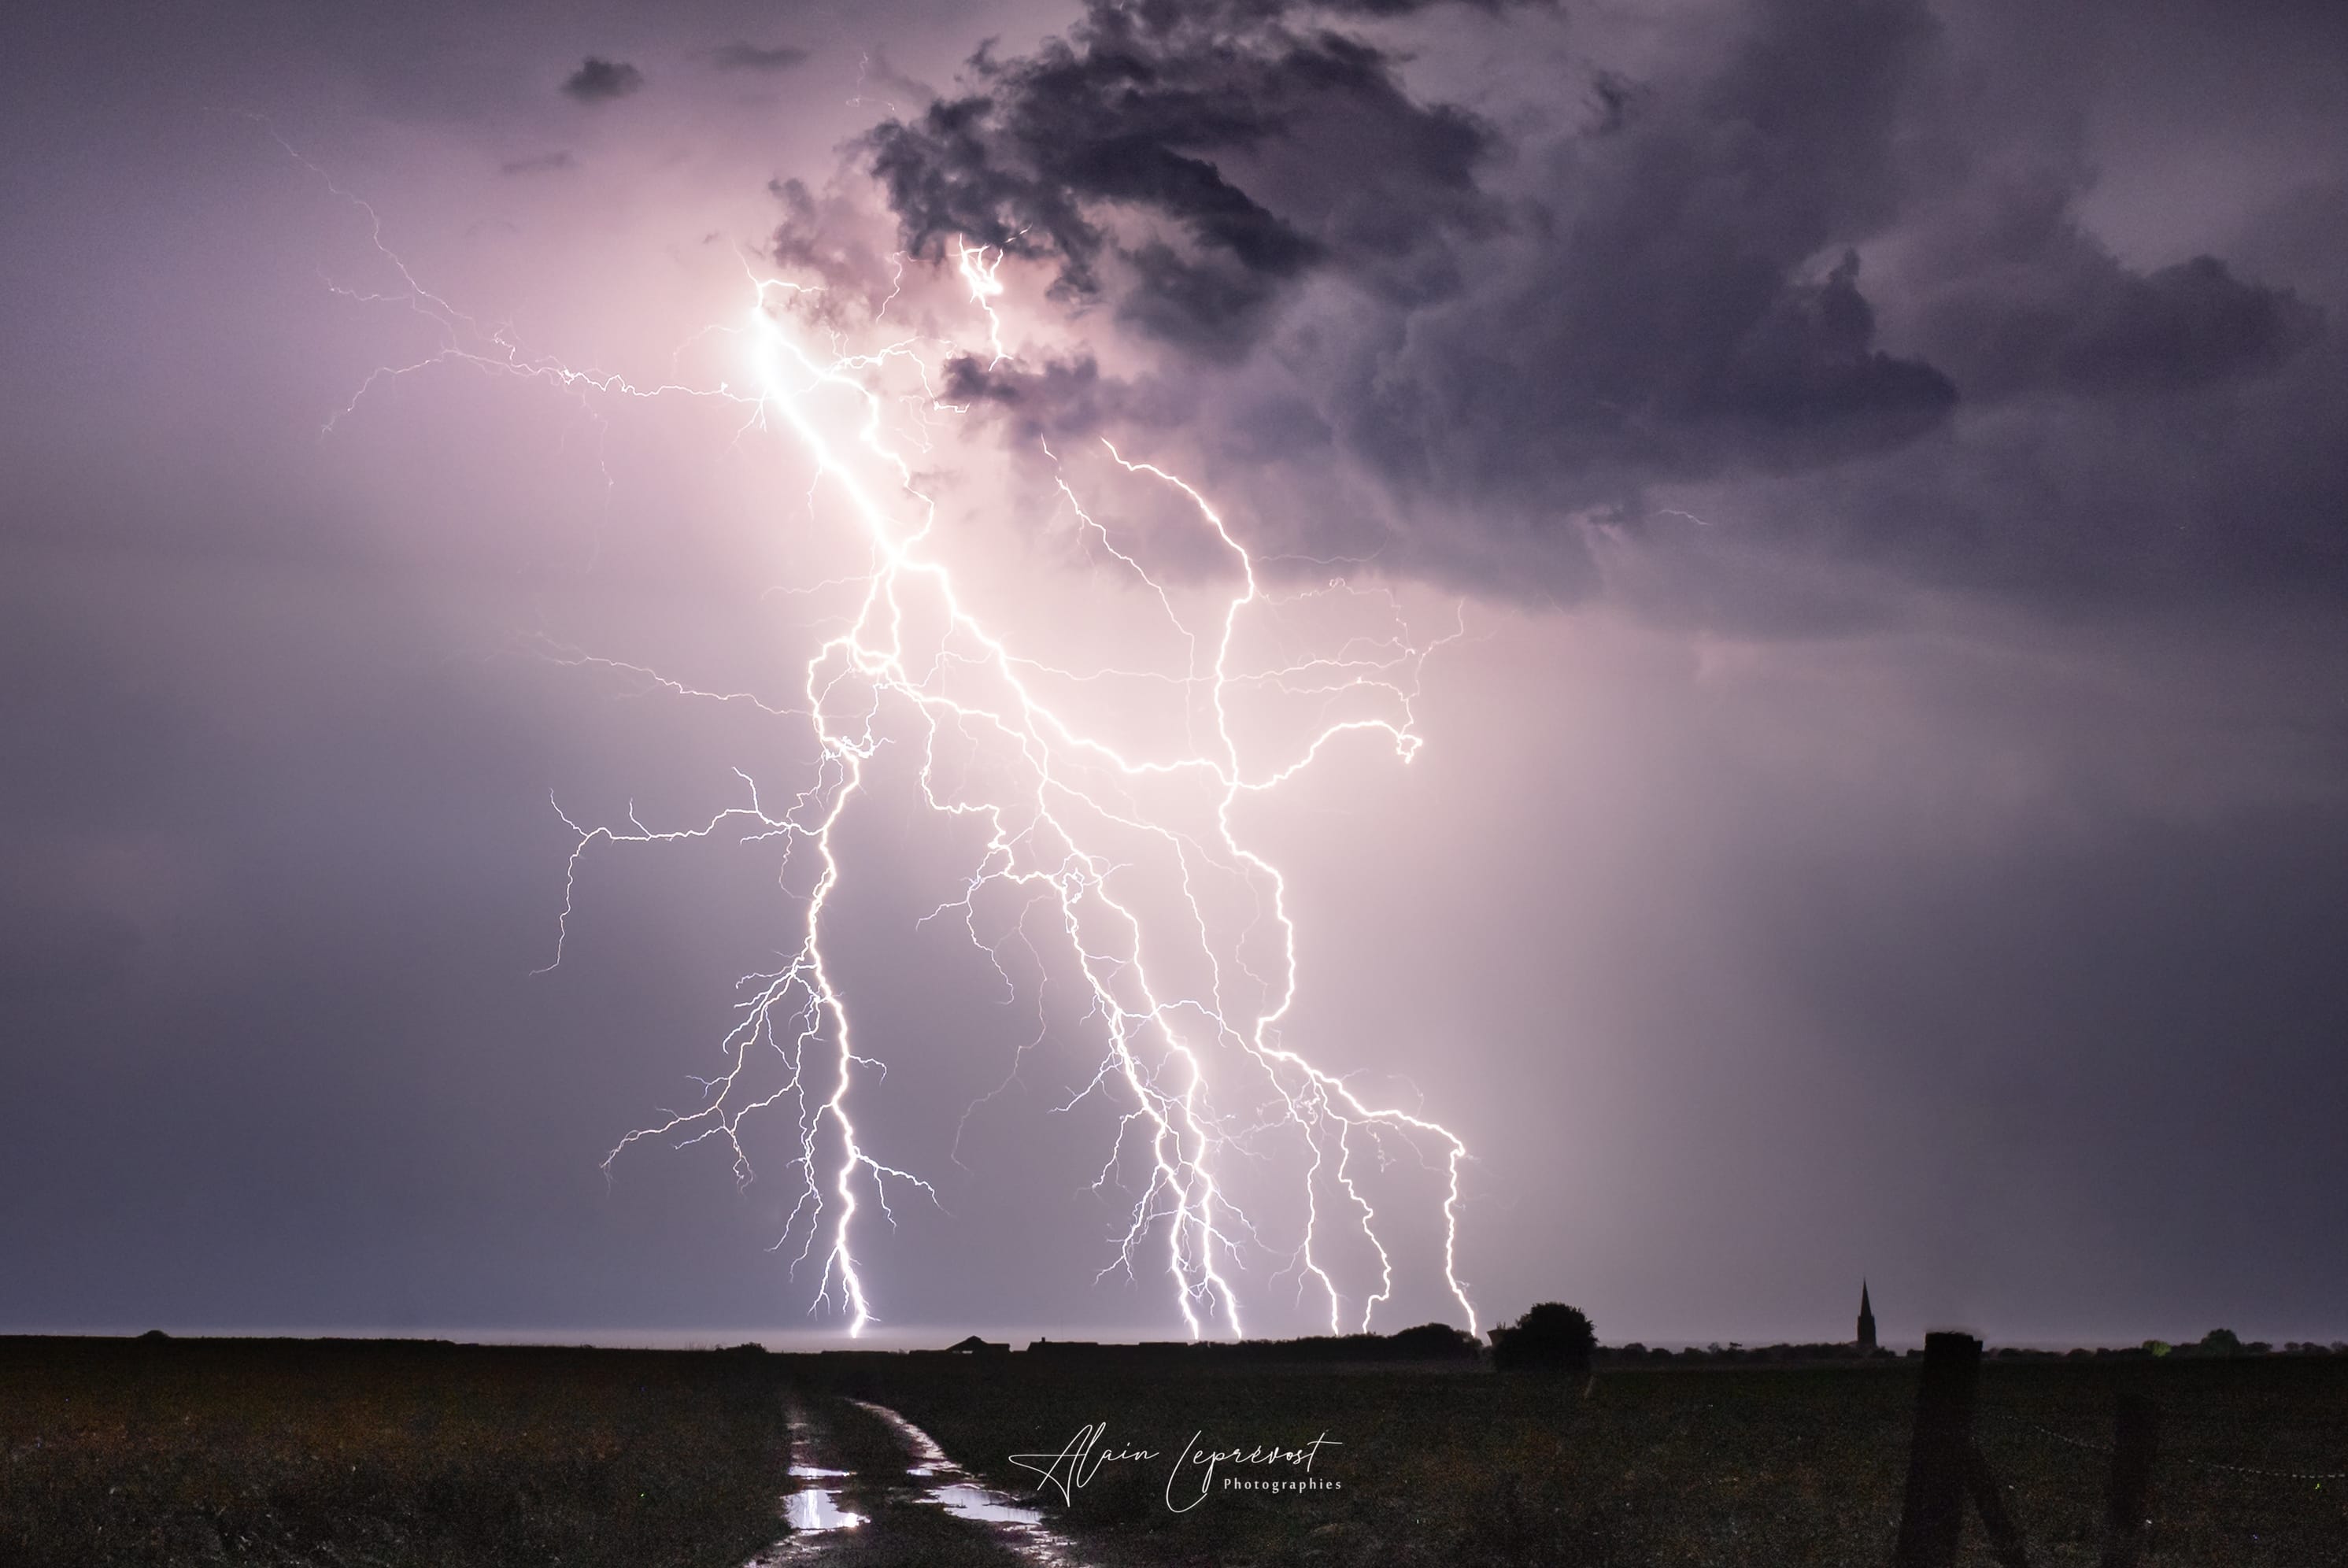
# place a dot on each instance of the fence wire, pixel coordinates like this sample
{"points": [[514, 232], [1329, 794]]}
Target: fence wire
{"points": [[2174, 1459]]}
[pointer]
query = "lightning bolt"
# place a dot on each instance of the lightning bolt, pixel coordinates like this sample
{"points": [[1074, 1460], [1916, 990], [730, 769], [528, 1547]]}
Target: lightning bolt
{"points": [[1060, 809]]}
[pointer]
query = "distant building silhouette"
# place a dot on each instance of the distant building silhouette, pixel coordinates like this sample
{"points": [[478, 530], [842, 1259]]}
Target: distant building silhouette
{"points": [[1865, 1322], [974, 1346]]}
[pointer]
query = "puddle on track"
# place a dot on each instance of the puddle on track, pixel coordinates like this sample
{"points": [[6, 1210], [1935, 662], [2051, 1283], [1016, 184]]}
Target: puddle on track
{"points": [[818, 1508], [950, 1487], [965, 1502], [819, 1521], [814, 1512]]}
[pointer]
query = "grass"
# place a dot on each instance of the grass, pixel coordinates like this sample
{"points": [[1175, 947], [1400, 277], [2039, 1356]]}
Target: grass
{"points": [[287, 1452], [1735, 1465], [387, 1455]]}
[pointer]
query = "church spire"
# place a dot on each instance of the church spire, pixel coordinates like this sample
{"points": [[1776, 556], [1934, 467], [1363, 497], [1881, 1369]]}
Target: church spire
{"points": [[1866, 1321]]}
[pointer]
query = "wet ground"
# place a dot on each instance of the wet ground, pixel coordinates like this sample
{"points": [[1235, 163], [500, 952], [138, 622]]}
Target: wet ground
{"points": [[871, 1490]]}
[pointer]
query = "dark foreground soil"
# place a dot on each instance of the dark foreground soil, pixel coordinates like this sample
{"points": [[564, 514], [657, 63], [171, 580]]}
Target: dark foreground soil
{"points": [[392, 1454], [1721, 1465], [363, 1455]]}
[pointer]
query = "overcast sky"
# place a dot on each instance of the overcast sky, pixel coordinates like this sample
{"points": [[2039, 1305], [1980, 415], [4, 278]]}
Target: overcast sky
{"points": [[1886, 814]]}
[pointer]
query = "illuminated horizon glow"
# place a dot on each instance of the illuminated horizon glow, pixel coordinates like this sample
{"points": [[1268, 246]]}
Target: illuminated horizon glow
{"points": [[1040, 840]]}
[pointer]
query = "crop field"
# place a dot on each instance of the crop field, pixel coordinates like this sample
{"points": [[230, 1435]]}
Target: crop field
{"points": [[387, 1455], [1711, 1465], [362, 1453]]}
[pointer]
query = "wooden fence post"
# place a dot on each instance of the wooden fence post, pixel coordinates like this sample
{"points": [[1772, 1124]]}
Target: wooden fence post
{"points": [[1932, 1516], [2126, 1501]]}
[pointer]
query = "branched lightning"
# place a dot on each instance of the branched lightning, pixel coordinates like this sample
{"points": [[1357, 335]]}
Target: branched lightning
{"points": [[1199, 1075]]}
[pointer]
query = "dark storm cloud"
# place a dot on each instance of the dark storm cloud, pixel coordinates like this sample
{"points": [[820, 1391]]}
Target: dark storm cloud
{"points": [[745, 56], [1146, 109], [1059, 399], [600, 81], [2160, 494], [2043, 306], [1829, 240], [1667, 321], [1688, 302], [2299, 240]]}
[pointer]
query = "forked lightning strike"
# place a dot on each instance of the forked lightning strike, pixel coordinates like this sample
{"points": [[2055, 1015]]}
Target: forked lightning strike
{"points": [[1064, 794]]}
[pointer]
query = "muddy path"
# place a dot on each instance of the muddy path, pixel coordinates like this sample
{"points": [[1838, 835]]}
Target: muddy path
{"points": [[871, 1490]]}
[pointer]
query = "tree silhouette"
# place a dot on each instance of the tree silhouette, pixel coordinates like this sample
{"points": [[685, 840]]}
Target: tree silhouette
{"points": [[1433, 1342], [1552, 1337]]}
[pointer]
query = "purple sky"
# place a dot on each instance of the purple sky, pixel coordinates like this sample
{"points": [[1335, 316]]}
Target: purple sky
{"points": [[1888, 814]]}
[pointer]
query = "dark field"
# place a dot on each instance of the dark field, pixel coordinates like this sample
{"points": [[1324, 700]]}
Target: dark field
{"points": [[195, 1452], [1680, 1466], [294, 1452]]}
